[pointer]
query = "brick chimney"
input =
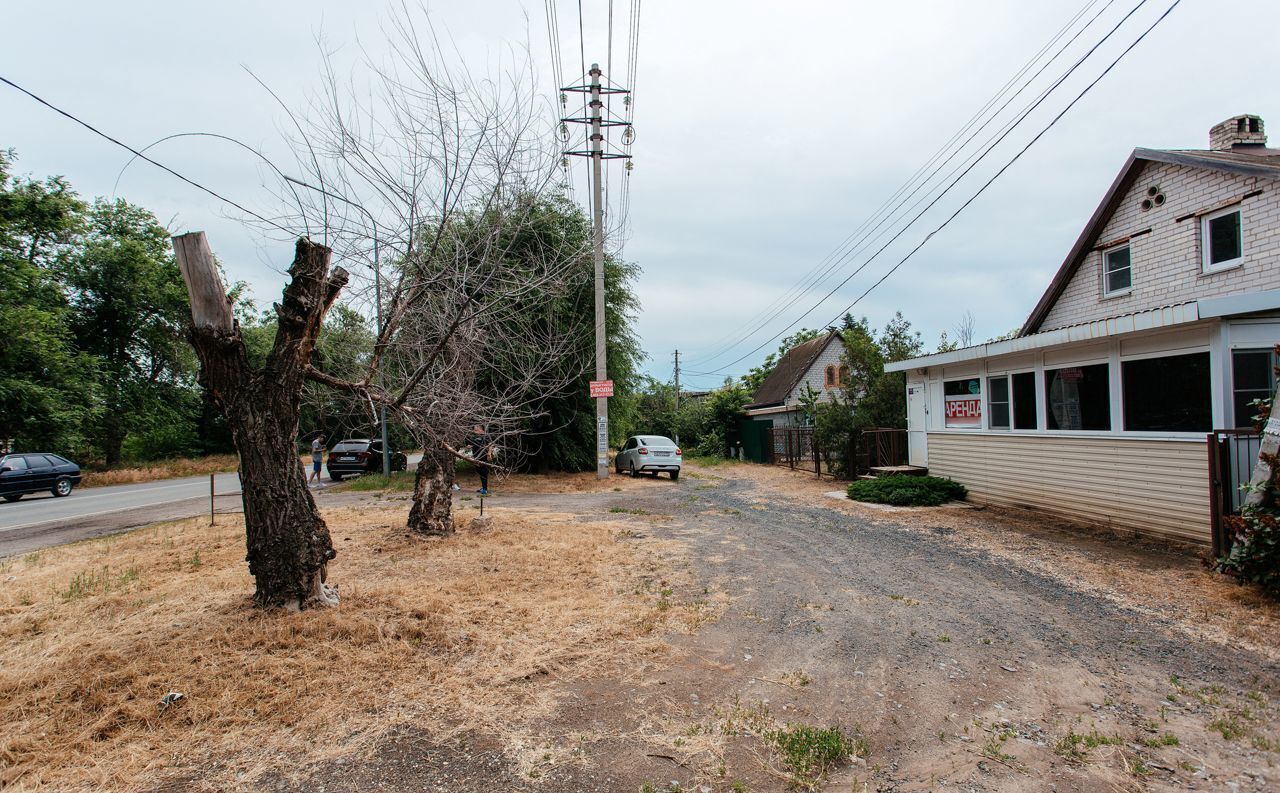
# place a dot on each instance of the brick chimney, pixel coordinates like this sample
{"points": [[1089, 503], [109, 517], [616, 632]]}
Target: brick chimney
{"points": [[1237, 132]]}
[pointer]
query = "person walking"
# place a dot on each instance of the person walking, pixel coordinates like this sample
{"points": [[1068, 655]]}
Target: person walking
{"points": [[482, 454], [317, 457]]}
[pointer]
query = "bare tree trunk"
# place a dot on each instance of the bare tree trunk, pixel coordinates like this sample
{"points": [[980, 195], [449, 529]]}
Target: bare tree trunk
{"points": [[288, 542], [432, 511]]}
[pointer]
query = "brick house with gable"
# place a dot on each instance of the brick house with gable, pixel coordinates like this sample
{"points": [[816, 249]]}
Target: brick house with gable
{"points": [[1157, 328]]}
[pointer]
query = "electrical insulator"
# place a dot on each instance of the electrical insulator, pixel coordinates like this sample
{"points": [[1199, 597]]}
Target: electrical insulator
{"points": [[628, 136], [564, 99], [630, 165], [564, 163], [564, 131], [626, 100]]}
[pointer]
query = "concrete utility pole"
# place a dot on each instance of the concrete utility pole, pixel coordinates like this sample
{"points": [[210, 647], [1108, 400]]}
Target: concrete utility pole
{"points": [[676, 429], [597, 153], [597, 198]]}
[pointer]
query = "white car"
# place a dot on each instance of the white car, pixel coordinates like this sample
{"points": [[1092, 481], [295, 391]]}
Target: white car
{"points": [[650, 454]]}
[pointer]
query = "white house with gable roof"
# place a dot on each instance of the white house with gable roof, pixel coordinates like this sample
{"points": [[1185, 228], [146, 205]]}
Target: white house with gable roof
{"points": [[1158, 327]]}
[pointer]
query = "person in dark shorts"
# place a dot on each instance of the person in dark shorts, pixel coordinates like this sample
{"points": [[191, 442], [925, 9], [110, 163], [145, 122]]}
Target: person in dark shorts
{"points": [[482, 454], [317, 457]]}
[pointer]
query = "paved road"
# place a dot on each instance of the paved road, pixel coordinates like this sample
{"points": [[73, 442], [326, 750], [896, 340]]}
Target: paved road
{"points": [[40, 520], [43, 508]]}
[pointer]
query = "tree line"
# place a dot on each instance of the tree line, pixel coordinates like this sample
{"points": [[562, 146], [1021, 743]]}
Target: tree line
{"points": [[96, 363]]}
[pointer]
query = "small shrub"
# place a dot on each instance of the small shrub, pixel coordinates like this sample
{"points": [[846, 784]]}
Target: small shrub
{"points": [[907, 491], [811, 752]]}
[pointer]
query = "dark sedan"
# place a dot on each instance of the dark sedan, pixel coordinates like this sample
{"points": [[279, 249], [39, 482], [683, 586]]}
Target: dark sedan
{"points": [[357, 456], [21, 474]]}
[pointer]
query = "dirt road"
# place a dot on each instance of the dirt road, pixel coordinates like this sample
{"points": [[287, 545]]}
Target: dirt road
{"points": [[969, 650]]}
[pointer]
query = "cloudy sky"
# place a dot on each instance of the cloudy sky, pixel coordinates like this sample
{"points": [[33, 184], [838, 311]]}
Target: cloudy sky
{"points": [[767, 134]]}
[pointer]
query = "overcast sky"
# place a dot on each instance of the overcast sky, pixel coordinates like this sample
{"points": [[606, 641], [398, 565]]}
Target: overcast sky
{"points": [[766, 134]]}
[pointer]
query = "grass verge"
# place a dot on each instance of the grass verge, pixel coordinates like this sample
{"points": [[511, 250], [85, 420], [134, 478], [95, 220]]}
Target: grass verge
{"points": [[398, 481], [162, 469], [907, 491], [454, 635]]}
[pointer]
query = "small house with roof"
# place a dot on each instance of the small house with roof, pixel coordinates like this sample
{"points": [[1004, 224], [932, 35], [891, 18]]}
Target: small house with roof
{"points": [[816, 364], [1157, 328]]}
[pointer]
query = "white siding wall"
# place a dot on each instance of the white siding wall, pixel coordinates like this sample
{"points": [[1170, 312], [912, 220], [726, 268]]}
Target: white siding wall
{"points": [[816, 375], [1166, 263], [1157, 487]]}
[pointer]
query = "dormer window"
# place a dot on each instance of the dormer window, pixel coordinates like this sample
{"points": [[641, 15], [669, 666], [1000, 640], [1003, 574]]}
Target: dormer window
{"points": [[1221, 241], [1117, 272]]}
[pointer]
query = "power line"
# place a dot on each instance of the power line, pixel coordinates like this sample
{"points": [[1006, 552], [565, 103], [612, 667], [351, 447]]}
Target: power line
{"points": [[983, 188], [851, 246], [144, 157], [968, 165]]}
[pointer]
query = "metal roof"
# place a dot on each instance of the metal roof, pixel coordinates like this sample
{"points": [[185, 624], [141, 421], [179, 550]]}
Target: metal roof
{"points": [[1163, 317]]}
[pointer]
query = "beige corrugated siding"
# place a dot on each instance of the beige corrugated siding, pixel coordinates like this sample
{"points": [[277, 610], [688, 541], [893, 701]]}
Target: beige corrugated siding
{"points": [[1150, 486]]}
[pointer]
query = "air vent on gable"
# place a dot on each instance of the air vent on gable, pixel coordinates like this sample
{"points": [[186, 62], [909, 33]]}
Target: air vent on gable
{"points": [[1155, 198]]}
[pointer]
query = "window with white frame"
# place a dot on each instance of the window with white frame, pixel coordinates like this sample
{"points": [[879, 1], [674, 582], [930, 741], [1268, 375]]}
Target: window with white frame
{"points": [[1078, 397], [1221, 240], [1117, 271], [1253, 376], [998, 397], [1012, 400], [962, 403], [1167, 394]]}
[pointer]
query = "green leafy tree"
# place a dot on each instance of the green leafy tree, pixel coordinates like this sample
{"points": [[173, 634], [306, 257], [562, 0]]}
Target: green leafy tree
{"points": [[128, 309], [47, 386], [564, 438]]}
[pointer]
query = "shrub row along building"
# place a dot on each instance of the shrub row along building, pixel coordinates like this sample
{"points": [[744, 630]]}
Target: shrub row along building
{"points": [[1158, 328]]}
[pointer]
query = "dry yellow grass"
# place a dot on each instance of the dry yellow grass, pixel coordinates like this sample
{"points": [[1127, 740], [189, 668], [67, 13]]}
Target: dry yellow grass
{"points": [[455, 633], [162, 469]]}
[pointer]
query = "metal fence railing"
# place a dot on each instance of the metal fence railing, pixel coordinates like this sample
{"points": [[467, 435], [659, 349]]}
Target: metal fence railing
{"points": [[797, 448], [1232, 454]]}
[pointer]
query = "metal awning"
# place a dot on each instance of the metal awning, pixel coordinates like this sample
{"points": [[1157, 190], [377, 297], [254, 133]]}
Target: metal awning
{"points": [[1152, 319]]}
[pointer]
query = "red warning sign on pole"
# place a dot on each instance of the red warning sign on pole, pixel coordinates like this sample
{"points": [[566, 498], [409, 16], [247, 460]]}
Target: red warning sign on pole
{"points": [[601, 388]]}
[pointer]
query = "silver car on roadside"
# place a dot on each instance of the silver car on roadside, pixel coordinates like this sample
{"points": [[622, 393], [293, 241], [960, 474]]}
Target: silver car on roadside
{"points": [[651, 454]]}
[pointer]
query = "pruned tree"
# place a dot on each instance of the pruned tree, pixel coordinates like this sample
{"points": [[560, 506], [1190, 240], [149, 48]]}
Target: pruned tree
{"points": [[447, 173], [289, 546]]}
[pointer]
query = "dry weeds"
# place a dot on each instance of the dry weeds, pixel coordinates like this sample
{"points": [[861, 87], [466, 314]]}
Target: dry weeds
{"points": [[162, 469], [454, 634]]}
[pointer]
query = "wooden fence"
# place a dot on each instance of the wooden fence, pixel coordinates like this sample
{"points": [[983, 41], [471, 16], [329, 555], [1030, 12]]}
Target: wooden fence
{"points": [[796, 448]]}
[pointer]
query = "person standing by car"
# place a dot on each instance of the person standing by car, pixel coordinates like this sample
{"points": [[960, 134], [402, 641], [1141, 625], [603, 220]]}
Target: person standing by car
{"points": [[482, 454], [317, 457]]}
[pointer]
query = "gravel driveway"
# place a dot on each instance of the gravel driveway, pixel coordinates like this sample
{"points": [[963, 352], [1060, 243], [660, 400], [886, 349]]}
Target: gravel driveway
{"points": [[969, 651]]}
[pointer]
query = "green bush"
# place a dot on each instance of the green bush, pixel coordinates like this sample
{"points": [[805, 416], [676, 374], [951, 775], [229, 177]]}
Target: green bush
{"points": [[907, 491], [810, 752]]}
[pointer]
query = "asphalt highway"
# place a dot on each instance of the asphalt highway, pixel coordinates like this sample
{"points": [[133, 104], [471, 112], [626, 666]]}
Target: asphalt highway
{"points": [[41, 520]]}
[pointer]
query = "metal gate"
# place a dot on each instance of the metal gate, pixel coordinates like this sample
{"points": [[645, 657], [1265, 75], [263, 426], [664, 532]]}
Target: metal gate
{"points": [[1232, 454]]}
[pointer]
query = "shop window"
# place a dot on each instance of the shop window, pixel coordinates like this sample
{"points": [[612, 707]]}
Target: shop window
{"points": [[1013, 401], [963, 403], [1117, 271], [1169, 394], [1253, 376], [1220, 240], [1078, 397], [1025, 404], [998, 388]]}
